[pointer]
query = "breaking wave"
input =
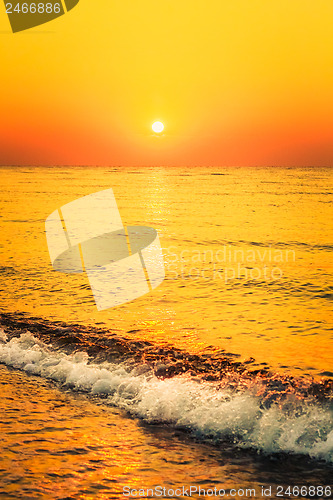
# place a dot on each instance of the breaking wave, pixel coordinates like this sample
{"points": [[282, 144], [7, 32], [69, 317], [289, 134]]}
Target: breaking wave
{"points": [[252, 409]]}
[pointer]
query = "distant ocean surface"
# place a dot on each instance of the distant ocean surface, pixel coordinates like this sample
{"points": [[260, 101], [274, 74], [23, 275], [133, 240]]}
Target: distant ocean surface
{"points": [[220, 377]]}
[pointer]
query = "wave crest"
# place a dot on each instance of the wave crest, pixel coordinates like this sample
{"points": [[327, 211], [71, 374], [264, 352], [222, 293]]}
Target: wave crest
{"points": [[244, 413]]}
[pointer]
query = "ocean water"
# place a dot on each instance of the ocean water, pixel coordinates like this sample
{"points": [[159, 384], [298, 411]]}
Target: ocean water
{"points": [[221, 377]]}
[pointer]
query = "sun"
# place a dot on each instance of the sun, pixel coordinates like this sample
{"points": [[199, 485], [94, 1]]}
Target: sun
{"points": [[157, 127]]}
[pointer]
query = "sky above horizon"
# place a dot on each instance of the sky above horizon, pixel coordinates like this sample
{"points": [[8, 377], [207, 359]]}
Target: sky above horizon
{"points": [[234, 83]]}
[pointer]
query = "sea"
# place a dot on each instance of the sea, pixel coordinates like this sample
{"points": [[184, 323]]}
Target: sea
{"points": [[216, 384]]}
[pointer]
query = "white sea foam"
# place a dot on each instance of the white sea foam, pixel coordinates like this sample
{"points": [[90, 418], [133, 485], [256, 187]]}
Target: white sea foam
{"points": [[305, 427], [3, 335]]}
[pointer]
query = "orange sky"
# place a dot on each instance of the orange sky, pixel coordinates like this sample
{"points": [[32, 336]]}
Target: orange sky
{"points": [[235, 82]]}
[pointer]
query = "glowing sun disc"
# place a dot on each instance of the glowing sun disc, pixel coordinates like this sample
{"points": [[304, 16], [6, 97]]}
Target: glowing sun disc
{"points": [[157, 127]]}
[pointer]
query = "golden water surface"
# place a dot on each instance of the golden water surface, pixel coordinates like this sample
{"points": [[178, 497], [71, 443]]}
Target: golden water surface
{"points": [[247, 254]]}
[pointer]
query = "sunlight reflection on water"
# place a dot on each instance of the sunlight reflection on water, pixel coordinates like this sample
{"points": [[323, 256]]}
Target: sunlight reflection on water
{"points": [[284, 322]]}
